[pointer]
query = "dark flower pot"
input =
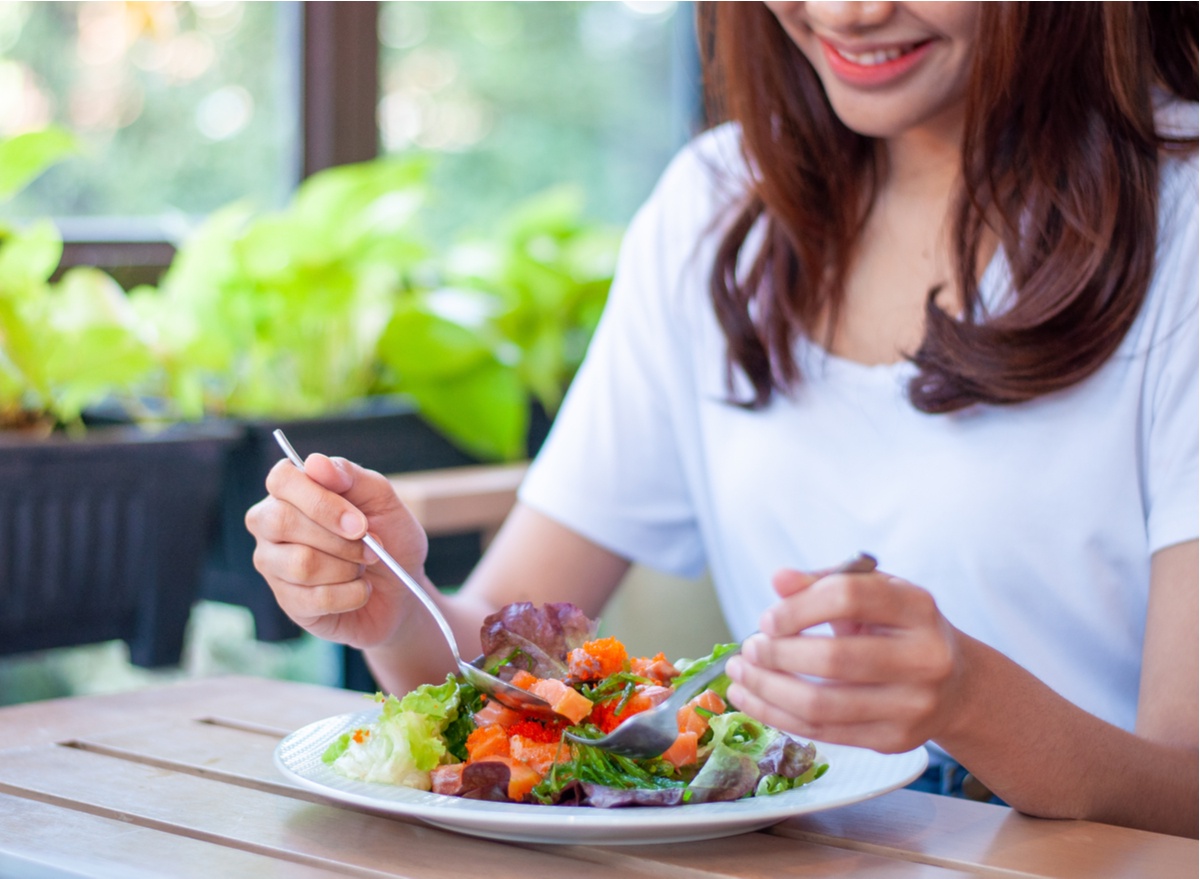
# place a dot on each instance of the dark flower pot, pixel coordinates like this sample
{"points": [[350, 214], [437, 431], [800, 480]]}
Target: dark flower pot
{"points": [[103, 537]]}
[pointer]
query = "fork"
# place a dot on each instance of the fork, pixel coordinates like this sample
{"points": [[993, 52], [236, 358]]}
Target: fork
{"points": [[504, 692], [649, 733]]}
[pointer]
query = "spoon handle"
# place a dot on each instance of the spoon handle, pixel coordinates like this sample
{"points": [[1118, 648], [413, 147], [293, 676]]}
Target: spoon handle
{"points": [[384, 556]]}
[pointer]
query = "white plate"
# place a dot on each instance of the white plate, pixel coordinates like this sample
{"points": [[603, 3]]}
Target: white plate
{"points": [[854, 775]]}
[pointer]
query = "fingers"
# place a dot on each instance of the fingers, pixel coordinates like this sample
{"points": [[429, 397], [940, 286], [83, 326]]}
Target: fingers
{"points": [[866, 599], [316, 493], [887, 718]]}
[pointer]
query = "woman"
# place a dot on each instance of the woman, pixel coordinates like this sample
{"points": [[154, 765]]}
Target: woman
{"points": [[933, 295]]}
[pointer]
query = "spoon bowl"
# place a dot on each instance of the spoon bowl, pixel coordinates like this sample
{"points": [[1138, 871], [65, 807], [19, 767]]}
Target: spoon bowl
{"points": [[649, 733], [504, 692]]}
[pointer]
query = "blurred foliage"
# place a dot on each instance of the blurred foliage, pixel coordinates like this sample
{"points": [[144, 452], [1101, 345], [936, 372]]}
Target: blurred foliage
{"points": [[311, 309], [180, 107], [63, 345]]}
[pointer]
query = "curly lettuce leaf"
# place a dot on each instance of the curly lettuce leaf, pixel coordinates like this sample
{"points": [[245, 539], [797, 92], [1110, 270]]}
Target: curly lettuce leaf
{"points": [[535, 638], [750, 758]]}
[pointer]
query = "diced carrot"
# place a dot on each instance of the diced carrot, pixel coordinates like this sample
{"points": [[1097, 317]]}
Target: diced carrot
{"points": [[447, 778], [563, 700], [523, 679], [487, 741], [656, 668], [689, 718], [538, 756], [521, 778], [683, 751], [494, 712], [597, 659]]}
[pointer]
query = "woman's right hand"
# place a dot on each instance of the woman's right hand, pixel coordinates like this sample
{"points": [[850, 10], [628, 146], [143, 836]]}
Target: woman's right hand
{"points": [[309, 533]]}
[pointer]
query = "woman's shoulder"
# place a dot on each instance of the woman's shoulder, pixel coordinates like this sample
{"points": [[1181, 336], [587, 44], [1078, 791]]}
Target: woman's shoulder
{"points": [[709, 172]]}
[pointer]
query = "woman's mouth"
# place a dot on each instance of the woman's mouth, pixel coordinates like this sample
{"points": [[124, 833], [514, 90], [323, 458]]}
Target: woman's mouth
{"points": [[873, 66]]}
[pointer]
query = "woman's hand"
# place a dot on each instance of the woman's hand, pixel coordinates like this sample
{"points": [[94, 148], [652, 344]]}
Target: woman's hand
{"points": [[310, 551], [886, 680]]}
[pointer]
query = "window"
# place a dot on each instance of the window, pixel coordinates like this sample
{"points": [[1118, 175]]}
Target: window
{"points": [[183, 107]]}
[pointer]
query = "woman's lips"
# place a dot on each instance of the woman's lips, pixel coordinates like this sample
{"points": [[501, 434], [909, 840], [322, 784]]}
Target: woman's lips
{"points": [[874, 66]]}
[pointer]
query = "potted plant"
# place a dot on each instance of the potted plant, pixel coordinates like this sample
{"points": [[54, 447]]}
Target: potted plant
{"points": [[102, 530], [333, 319]]}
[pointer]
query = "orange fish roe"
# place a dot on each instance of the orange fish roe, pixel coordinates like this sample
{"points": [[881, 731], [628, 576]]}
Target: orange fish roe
{"points": [[537, 731], [360, 735], [597, 659]]}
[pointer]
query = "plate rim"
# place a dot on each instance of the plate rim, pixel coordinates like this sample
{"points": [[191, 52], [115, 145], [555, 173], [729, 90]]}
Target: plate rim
{"points": [[573, 825]]}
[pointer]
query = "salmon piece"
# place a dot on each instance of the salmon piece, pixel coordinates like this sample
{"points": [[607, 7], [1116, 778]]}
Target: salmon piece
{"points": [[521, 778], [645, 697], [495, 713], [447, 778], [683, 751], [689, 719], [656, 668], [538, 756], [563, 700], [487, 741]]}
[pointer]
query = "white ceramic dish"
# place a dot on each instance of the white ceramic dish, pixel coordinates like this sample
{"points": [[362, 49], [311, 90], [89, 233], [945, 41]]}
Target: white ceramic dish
{"points": [[854, 775]]}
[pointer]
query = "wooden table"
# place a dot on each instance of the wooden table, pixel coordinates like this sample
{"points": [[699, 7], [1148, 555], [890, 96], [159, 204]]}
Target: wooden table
{"points": [[179, 781]]}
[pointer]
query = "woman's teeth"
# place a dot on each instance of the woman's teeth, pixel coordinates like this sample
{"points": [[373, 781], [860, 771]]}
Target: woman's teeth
{"points": [[873, 58]]}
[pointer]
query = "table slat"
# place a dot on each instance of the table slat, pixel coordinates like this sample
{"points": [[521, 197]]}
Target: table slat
{"points": [[40, 840], [954, 832]]}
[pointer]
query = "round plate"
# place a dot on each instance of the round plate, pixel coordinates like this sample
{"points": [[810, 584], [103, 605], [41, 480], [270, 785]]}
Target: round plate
{"points": [[855, 774]]}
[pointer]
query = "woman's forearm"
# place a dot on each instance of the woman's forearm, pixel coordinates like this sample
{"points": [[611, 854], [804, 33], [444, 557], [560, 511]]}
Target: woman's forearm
{"points": [[1047, 757]]}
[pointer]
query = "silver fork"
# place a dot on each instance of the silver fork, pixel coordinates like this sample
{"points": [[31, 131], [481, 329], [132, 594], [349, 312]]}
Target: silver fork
{"points": [[649, 733], [503, 691]]}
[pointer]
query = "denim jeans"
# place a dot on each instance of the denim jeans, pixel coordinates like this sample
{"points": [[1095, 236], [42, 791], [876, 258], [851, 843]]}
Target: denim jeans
{"points": [[949, 778]]}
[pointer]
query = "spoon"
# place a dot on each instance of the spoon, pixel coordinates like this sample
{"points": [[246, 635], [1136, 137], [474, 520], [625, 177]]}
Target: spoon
{"points": [[504, 692], [649, 733]]}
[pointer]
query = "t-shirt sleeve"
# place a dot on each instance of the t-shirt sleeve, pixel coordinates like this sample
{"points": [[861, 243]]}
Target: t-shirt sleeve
{"points": [[1173, 432], [611, 468]]}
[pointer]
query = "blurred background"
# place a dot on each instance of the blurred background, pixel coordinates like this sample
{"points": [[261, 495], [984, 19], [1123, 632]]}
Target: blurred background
{"points": [[179, 109]]}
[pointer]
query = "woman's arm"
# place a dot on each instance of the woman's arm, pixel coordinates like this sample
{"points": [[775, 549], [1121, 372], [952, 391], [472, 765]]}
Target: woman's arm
{"points": [[1047, 757], [898, 675]]}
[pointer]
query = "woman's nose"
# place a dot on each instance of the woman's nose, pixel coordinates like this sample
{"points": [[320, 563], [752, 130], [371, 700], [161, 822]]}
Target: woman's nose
{"points": [[849, 16]]}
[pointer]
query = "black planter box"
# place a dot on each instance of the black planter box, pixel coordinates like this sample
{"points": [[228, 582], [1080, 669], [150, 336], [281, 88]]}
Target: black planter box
{"points": [[386, 435], [103, 537]]}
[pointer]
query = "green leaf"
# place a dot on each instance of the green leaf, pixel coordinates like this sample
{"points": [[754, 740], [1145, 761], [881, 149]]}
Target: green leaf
{"points": [[485, 412], [29, 257], [421, 347], [25, 156]]}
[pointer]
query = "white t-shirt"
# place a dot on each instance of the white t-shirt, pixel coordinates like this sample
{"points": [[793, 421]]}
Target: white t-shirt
{"points": [[1032, 525]]}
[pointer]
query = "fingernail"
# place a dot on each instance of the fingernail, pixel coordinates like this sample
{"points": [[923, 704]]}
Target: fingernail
{"points": [[733, 668], [352, 525], [369, 556]]}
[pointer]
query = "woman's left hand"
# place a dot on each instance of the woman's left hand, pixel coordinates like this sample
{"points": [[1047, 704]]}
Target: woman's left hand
{"points": [[887, 678]]}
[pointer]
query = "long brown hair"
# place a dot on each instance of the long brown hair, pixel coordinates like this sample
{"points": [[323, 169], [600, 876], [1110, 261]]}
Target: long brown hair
{"points": [[1060, 163]]}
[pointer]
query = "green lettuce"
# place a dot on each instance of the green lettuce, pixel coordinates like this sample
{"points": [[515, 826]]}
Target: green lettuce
{"points": [[405, 743]]}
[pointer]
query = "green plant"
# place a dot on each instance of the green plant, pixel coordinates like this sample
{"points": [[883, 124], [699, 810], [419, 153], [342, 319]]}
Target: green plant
{"points": [[337, 298], [548, 270], [278, 314], [65, 344]]}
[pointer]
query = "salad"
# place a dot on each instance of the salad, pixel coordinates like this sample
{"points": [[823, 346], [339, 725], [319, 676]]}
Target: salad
{"points": [[451, 739]]}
